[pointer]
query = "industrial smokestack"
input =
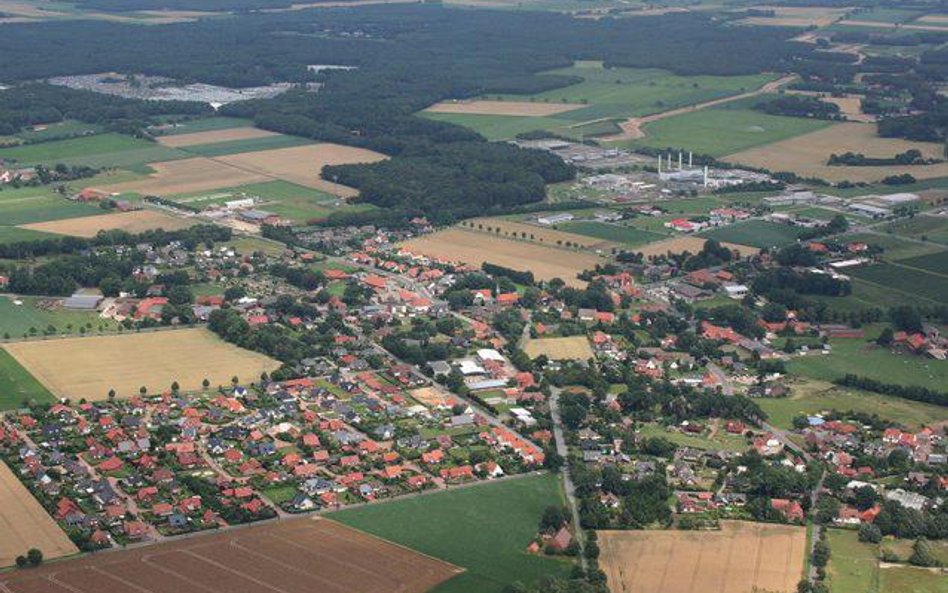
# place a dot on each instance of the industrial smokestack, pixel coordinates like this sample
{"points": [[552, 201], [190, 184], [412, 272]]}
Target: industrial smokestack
{"points": [[689, 159], [659, 164], [679, 160], [706, 176]]}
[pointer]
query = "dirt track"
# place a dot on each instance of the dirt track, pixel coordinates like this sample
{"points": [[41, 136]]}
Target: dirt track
{"points": [[294, 556], [632, 129]]}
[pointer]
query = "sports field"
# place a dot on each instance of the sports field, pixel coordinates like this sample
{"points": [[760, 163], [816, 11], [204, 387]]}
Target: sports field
{"points": [[476, 247], [285, 199], [740, 558], [136, 221], [17, 385], [807, 154], [484, 529], [569, 348], [292, 556], [691, 244], [90, 367], [756, 233], [25, 524]]}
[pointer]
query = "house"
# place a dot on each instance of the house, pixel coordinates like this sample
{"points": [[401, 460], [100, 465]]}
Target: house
{"points": [[790, 509], [561, 541]]}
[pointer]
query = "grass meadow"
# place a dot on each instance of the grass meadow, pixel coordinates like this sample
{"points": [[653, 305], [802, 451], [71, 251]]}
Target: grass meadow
{"points": [[17, 384], [756, 233], [484, 529]]}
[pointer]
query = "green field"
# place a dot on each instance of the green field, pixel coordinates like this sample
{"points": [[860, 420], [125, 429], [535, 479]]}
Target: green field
{"points": [[853, 567], [721, 441], [933, 263], [66, 129], [757, 233], [923, 227], [811, 397], [484, 529], [248, 145], [206, 124], [894, 246], [16, 320], [283, 198], [860, 357], [17, 385], [608, 95], [102, 150], [35, 204], [721, 131], [611, 232], [914, 281]]}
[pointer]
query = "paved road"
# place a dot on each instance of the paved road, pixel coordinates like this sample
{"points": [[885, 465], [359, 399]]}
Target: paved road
{"points": [[568, 485]]}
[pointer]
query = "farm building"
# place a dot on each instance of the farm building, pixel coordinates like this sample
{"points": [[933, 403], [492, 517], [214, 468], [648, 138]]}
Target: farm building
{"points": [[555, 218]]}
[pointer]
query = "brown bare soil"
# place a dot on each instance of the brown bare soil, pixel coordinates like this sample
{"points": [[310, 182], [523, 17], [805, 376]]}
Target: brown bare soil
{"points": [[24, 523], [303, 164], [692, 244], [536, 233], [740, 558], [429, 396], [212, 136], [474, 248], [136, 221], [291, 556], [806, 155], [90, 367], [569, 348], [188, 176], [521, 108]]}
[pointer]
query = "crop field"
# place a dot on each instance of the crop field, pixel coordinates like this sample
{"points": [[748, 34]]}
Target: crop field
{"points": [[861, 357], [213, 136], [37, 204], [740, 558], [895, 247], [136, 221], [186, 176], [920, 283], [270, 142], [615, 233], [16, 320], [484, 529], [692, 244], [512, 108], [807, 154], [926, 228], [205, 124], [475, 248], [90, 367], [292, 556], [757, 233], [934, 263], [569, 348], [724, 131], [797, 16], [603, 97], [549, 235], [302, 164], [811, 397], [26, 524], [81, 150], [18, 385]]}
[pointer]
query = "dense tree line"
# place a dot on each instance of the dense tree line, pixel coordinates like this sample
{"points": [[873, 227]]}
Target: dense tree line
{"points": [[912, 392], [912, 156], [799, 106], [37, 103], [190, 237], [518, 276]]}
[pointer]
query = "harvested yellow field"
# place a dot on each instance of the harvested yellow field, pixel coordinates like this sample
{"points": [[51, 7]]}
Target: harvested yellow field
{"points": [[25, 524], [431, 397], [535, 233], [303, 164], [516, 108], [917, 25], [569, 348], [188, 176], [807, 155], [849, 105], [475, 248], [90, 367], [212, 136], [740, 558], [137, 221], [690, 244]]}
